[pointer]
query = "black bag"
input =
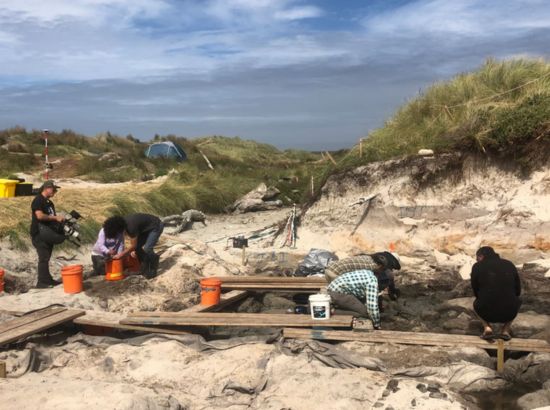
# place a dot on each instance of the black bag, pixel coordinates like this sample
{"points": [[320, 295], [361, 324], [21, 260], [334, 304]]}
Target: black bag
{"points": [[50, 234], [315, 263]]}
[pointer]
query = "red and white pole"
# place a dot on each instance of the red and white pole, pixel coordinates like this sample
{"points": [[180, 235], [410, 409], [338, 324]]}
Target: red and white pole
{"points": [[46, 160]]}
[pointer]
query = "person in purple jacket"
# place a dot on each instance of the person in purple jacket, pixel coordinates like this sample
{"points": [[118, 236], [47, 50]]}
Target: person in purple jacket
{"points": [[104, 249]]}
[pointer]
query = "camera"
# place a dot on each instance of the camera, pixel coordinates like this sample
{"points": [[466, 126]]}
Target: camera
{"points": [[71, 229], [240, 242]]}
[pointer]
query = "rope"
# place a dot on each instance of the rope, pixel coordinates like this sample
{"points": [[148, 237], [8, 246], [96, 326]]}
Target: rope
{"points": [[446, 107]]}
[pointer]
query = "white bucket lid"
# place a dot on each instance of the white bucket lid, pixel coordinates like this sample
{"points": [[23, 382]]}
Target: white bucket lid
{"points": [[319, 297]]}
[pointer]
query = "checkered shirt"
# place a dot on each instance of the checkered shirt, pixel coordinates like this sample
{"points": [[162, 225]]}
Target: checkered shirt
{"points": [[363, 285], [354, 263]]}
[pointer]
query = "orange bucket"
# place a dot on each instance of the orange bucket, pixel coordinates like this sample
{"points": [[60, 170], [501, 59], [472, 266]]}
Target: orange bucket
{"points": [[114, 270], [132, 264], [211, 290], [72, 278], [2, 280]]}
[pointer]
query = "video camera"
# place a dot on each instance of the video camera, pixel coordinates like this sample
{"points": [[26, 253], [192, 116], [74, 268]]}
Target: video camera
{"points": [[71, 228]]}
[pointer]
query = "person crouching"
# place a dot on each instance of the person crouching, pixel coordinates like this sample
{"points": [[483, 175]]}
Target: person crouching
{"points": [[106, 247], [357, 291]]}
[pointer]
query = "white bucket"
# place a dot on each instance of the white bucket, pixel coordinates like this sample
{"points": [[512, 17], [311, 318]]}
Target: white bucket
{"points": [[319, 305]]}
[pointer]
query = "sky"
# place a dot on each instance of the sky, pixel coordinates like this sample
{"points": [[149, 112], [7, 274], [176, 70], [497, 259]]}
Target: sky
{"points": [[293, 73]]}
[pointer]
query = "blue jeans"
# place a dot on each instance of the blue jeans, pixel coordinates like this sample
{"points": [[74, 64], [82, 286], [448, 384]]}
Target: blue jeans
{"points": [[145, 251]]}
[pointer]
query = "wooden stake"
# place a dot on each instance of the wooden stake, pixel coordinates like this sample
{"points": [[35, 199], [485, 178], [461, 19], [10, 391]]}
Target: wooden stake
{"points": [[330, 157], [360, 147], [312, 186], [244, 255], [500, 355], [207, 160], [3, 373]]}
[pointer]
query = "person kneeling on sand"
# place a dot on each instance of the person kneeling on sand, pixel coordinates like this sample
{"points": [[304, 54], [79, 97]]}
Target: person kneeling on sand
{"points": [[382, 264], [144, 231], [107, 245], [497, 289], [357, 291]]}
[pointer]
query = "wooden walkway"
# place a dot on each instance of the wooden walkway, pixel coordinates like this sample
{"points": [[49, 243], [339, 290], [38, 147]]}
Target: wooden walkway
{"points": [[233, 319], [112, 320], [273, 283], [21, 327], [412, 338]]}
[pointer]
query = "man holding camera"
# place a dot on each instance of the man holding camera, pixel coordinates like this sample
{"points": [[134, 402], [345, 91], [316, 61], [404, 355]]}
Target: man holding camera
{"points": [[44, 220]]}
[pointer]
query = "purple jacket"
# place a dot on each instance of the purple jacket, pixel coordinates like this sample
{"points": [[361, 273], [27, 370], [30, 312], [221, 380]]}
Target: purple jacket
{"points": [[104, 245]]}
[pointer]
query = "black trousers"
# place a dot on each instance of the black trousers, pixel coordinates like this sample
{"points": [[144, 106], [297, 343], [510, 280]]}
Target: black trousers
{"points": [[98, 263], [44, 251]]}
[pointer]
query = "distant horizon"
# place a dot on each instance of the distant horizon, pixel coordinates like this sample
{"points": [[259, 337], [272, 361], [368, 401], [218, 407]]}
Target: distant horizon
{"points": [[296, 74]]}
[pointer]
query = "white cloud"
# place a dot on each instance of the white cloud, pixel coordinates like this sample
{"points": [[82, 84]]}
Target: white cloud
{"points": [[8, 38], [299, 13], [50, 11], [481, 18]]}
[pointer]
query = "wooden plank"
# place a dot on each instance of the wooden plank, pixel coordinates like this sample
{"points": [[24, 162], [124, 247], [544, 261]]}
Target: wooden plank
{"points": [[500, 355], [426, 339], [38, 326], [111, 321], [267, 287], [272, 279], [226, 299], [233, 319], [31, 317]]}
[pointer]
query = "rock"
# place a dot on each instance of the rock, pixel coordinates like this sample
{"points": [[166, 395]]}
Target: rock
{"points": [[110, 157], [433, 387], [461, 322], [378, 404], [539, 399], [473, 355], [459, 305], [270, 193], [250, 305], [386, 393], [259, 199], [533, 369], [527, 324], [463, 263], [438, 395], [393, 385], [422, 387], [424, 152], [274, 301]]}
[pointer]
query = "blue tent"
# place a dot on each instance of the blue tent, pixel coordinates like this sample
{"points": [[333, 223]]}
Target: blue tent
{"points": [[166, 149]]}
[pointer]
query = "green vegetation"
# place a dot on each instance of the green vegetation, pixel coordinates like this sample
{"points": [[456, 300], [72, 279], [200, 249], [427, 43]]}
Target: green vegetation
{"points": [[239, 166], [502, 109]]}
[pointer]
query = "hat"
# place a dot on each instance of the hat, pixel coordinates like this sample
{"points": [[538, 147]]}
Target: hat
{"points": [[387, 260], [49, 184]]}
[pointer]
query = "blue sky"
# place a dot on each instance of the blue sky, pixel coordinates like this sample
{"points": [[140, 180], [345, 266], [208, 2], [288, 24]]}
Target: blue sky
{"points": [[293, 73]]}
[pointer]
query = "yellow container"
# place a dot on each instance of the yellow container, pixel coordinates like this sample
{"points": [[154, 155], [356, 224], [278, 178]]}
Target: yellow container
{"points": [[7, 188]]}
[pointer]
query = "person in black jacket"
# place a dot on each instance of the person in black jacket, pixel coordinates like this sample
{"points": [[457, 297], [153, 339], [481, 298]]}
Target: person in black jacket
{"points": [[144, 231], [497, 289], [44, 218]]}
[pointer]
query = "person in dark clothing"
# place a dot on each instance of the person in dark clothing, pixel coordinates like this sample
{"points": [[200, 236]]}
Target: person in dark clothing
{"points": [[44, 218], [497, 288], [144, 231]]}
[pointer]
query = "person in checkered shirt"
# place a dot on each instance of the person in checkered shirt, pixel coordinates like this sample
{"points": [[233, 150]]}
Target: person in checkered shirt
{"points": [[382, 264], [357, 291]]}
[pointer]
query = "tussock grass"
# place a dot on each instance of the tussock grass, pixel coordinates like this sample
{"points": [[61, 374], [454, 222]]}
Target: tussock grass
{"points": [[497, 110], [473, 111]]}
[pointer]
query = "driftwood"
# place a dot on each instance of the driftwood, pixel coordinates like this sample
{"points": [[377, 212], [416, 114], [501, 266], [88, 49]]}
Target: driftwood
{"points": [[185, 221], [262, 198]]}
